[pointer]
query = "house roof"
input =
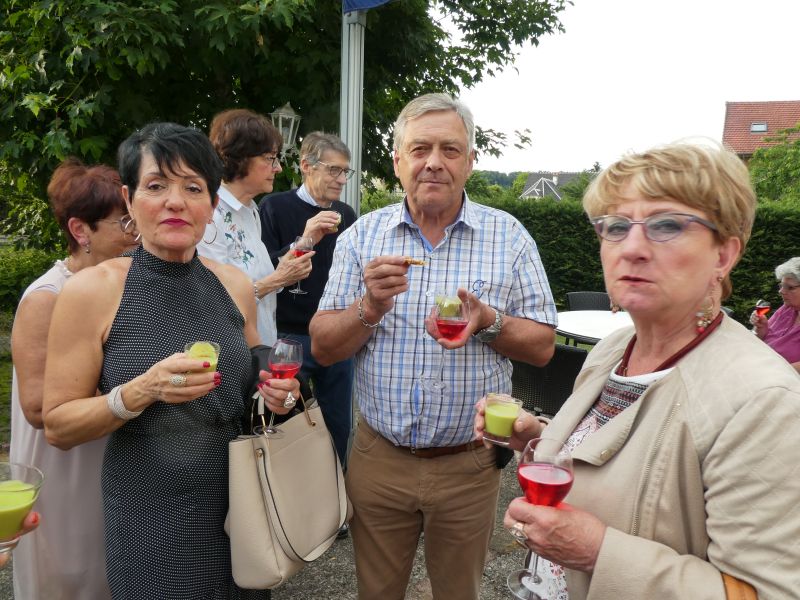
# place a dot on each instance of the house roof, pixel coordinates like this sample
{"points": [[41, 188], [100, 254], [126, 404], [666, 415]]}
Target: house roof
{"points": [[546, 183], [739, 133]]}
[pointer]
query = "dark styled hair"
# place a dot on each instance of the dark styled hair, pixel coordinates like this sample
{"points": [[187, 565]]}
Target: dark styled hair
{"points": [[238, 135], [86, 193], [170, 145]]}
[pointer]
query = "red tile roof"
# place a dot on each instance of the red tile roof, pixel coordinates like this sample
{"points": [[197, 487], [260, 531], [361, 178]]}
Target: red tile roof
{"points": [[739, 116]]}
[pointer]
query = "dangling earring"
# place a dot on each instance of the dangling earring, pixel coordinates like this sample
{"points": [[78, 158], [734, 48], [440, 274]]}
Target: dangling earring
{"points": [[706, 314], [614, 306], [215, 234], [130, 224], [87, 247]]}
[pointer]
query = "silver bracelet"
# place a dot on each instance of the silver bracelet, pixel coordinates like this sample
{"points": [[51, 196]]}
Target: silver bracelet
{"points": [[361, 315], [117, 406], [256, 290]]}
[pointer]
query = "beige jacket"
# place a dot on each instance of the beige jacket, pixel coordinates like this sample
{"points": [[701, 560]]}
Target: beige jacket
{"points": [[700, 476]]}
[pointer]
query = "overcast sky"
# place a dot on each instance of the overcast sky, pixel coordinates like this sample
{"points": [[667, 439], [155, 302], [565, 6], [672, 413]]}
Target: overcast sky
{"points": [[630, 74]]}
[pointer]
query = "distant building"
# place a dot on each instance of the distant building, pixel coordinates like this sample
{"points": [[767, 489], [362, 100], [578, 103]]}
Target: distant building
{"points": [[748, 123], [546, 183]]}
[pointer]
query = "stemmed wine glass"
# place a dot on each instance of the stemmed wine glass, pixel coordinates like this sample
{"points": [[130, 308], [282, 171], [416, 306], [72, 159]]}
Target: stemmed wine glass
{"points": [[285, 358], [300, 246], [545, 475], [762, 308], [451, 316]]}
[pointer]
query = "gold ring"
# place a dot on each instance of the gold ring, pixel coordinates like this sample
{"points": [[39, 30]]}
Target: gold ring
{"points": [[177, 380]]}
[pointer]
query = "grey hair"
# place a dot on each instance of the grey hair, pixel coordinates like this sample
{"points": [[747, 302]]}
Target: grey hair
{"points": [[791, 268], [430, 103], [317, 143]]}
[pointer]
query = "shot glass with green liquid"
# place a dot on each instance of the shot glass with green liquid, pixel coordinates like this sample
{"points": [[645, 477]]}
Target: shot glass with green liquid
{"points": [[500, 413]]}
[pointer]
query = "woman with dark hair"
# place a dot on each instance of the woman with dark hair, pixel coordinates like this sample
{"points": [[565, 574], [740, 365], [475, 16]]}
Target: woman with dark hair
{"points": [[170, 416], [248, 145], [65, 558]]}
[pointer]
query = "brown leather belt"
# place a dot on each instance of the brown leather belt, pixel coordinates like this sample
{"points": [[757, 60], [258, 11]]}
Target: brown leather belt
{"points": [[442, 450]]}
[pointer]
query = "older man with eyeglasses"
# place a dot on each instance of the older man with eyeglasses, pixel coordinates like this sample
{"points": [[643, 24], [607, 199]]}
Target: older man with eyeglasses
{"points": [[314, 211]]}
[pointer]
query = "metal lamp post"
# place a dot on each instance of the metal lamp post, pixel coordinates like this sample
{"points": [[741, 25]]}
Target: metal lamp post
{"points": [[287, 121]]}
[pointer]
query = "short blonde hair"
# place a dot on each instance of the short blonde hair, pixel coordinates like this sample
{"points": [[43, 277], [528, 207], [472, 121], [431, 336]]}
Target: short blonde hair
{"points": [[706, 178]]}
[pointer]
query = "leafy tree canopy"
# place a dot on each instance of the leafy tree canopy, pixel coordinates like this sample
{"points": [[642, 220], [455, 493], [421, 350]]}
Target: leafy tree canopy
{"points": [[775, 170], [77, 76]]}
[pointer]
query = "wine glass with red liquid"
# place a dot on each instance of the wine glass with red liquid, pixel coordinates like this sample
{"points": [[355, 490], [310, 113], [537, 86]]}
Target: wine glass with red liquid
{"points": [[285, 359], [545, 475], [451, 316], [300, 246], [762, 308]]}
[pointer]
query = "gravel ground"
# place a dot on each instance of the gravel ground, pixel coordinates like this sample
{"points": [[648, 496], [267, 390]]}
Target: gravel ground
{"points": [[333, 575]]}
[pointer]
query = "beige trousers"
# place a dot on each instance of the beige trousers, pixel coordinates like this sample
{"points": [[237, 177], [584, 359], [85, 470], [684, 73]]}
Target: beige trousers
{"points": [[397, 496]]}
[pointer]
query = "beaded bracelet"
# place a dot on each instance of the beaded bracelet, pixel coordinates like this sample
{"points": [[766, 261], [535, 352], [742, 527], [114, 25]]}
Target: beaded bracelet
{"points": [[256, 290], [361, 315], [117, 406]]}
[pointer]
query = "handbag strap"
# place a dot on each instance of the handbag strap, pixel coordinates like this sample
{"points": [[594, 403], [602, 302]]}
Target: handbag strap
{"points": [[275, 518], [736, 589]]}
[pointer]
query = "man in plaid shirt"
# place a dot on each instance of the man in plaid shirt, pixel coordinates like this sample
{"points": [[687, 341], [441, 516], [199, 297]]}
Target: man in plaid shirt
{"points": [[414, 465]]}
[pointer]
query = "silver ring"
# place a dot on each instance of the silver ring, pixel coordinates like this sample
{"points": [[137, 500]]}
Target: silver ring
{"points": [[177, 380], [518, 531], [290, 401]]}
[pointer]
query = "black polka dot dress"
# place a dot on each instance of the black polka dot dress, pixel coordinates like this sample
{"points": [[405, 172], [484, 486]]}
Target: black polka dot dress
{"points": [[165, 473]]}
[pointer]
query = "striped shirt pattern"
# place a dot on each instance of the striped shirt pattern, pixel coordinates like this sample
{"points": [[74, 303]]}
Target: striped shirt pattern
{"points": [[485, 251]]}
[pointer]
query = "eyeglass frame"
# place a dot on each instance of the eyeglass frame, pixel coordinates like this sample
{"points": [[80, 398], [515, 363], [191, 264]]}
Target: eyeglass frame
{"points": [[348, 172], [597, 222], [789, 288], [276, 160]]}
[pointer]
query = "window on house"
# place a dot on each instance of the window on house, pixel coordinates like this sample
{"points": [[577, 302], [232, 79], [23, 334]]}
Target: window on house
{"points": [[758, 127]]}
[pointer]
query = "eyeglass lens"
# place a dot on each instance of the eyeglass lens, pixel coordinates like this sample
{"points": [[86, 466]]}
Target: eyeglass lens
{"points": [[658, 228]]}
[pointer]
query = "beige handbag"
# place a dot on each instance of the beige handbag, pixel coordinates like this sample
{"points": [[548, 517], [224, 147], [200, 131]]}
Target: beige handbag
{"points": [[287, 499]]}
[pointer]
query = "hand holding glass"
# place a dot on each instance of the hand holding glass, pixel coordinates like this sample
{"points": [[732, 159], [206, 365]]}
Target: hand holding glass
{"points": [[545, 475], [19, 488], [501, 410], [300, 247], [451, 316]]}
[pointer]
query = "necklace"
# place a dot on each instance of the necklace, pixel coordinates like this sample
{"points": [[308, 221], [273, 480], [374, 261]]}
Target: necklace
{"points": [[62, 266], [623, 365]]}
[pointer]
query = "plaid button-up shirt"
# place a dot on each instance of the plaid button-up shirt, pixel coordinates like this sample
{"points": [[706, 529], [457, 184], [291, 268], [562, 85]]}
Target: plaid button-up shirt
{"points": [[486, 251]]}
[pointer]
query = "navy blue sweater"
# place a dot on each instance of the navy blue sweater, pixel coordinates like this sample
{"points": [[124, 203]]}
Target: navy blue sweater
{"points": [[283, 218]]}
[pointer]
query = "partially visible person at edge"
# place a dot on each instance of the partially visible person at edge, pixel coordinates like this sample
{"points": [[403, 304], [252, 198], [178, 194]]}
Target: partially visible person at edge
{"points": [[248, 145], [781, 331], [314, 211], [65, 558], [415, 466], [683, 428], [121, 327]]}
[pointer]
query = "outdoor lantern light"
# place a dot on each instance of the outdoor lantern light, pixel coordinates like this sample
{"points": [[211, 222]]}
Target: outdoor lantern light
{"points": [[287, 122]]}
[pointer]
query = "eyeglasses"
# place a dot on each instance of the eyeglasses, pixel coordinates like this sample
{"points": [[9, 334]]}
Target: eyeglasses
{"points": [[125, 222], [274, 160], [335, 171], [788, 288], [658, 228]]}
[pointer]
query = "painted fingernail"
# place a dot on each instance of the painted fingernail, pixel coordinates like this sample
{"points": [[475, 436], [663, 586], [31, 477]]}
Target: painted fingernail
{"points": [[266, 383], [206, 364], [35, 518]]}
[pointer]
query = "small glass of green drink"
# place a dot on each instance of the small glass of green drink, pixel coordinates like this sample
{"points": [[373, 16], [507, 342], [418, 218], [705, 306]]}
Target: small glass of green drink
{"points": [[500, 413], [19, 487], [207, 351]]}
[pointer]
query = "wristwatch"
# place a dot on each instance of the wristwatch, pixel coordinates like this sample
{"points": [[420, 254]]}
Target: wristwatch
{"points": [[492, 331]]}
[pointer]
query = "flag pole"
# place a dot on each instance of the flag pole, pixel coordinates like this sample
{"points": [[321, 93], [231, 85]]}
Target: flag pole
{"points": [[351, 99]]}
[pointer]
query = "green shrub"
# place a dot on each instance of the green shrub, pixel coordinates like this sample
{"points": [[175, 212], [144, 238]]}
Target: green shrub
{"points": [[20, 268]]}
